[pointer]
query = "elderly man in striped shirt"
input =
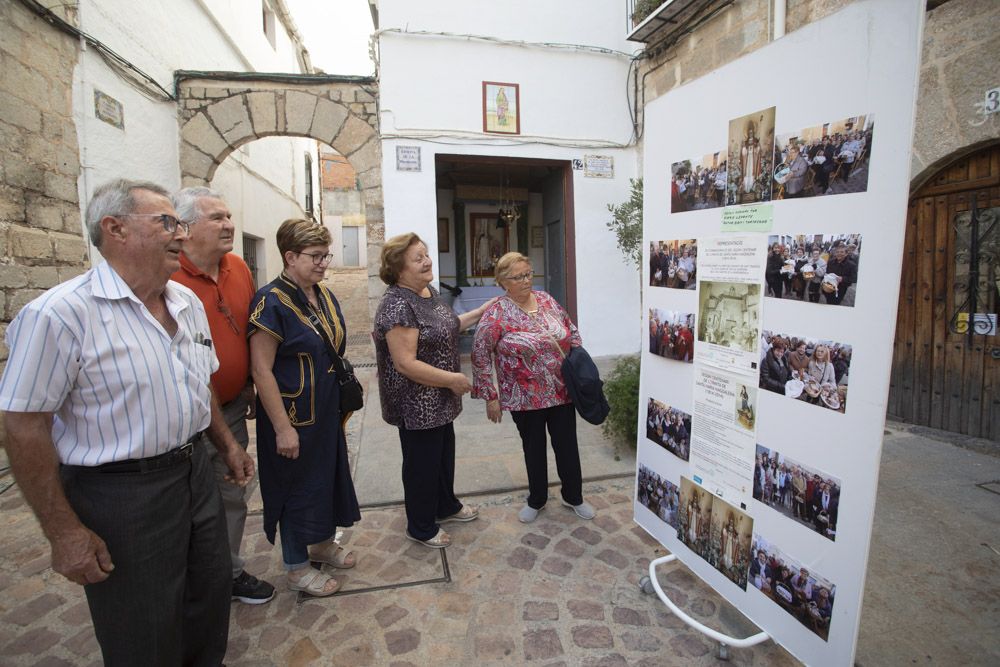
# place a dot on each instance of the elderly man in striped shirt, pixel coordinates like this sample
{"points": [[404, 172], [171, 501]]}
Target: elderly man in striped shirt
{"points": [[105, 392]]}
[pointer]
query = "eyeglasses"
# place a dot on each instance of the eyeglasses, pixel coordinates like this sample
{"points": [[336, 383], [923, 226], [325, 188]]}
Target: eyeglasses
{"points": [[523, 278], [318, 258], [169, 222]]}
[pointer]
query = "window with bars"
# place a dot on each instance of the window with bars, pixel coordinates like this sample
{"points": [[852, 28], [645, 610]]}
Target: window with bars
{"points": [[309, 185], [251, 245]]}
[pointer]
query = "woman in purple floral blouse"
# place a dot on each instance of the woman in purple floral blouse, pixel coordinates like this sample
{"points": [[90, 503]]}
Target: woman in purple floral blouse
{"points": [[524, 337], [421, 385]]}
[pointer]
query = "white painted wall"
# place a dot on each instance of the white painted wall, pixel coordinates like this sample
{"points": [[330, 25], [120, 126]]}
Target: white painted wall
{"points": [[160, 38], [263, 183], [573, 103]]}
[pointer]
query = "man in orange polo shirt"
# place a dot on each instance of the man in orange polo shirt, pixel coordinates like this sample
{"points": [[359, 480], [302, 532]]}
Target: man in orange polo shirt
{"points": [[224, 285]]}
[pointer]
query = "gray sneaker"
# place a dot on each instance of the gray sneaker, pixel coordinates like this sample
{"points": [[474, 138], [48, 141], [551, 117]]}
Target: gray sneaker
{"points": [[528, 513], [584, 510]]}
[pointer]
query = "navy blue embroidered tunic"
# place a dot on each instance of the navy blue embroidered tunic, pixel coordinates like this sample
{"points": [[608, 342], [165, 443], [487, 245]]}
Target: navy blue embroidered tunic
{"points": [[313, 494]]}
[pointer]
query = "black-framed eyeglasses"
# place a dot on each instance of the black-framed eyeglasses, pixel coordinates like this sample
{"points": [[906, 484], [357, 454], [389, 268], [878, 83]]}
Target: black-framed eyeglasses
{"points": [[523, 278], [169, 222], [318, 258]]}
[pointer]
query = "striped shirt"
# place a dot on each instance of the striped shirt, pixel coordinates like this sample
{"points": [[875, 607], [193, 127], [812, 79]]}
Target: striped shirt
{"points": [[89, 351]]}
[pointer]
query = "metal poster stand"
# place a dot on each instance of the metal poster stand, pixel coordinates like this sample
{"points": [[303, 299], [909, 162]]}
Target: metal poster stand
{"points": [[650, 585]]}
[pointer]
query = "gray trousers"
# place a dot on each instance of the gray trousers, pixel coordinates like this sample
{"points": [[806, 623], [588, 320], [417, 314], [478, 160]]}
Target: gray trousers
{"points": [[167, 601], [234, 498]]}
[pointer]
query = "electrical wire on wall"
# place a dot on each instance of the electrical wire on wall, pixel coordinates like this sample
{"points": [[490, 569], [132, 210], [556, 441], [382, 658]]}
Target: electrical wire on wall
{"points": [[135, 77]]}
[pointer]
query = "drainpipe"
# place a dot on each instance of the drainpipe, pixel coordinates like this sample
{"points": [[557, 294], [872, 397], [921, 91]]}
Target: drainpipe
{"points": [[779, 18]]}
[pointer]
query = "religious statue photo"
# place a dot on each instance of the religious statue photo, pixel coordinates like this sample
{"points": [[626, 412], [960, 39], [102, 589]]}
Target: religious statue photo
{"points": [[751, 154]]}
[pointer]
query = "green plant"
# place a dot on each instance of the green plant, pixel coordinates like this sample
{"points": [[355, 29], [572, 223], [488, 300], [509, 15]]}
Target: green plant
{"points": [[626, 223], [642, 9], [622, 391]]}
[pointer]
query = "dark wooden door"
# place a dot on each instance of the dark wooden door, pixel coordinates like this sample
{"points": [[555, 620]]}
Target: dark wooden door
{"points": [[941, 376]]}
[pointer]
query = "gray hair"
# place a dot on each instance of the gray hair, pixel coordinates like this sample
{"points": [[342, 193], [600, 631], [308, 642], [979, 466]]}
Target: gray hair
{"points": [[186, 202], [115, 199]]}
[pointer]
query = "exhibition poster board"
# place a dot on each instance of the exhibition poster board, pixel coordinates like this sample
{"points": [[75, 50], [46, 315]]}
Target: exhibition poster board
{"points": [[774, 218]]}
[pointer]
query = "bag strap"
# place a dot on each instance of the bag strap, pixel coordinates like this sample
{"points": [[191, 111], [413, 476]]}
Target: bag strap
{"points": [[294, 295]]}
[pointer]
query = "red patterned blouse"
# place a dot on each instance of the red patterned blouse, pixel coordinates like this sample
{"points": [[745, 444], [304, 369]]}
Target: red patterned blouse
{"points": [[520, 347]]}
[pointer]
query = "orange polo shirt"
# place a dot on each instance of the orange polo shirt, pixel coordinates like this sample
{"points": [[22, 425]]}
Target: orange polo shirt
{"points": [[227, 304]]}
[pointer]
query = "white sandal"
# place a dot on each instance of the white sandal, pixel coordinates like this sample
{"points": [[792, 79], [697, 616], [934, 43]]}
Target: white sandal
{"points": [[338, 559], [313, 583]]}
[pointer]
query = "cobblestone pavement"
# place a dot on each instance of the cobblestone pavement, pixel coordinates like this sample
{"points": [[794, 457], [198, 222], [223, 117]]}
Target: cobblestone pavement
{"points": [[558, 591]]}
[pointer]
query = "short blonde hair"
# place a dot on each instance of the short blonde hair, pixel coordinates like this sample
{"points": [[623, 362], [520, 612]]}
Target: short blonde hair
{"points": [[506, 263], [297, 234], [394, 256]]}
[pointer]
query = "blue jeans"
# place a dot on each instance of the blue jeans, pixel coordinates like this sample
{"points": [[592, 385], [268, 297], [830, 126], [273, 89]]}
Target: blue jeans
{"points": [[294, 552]]}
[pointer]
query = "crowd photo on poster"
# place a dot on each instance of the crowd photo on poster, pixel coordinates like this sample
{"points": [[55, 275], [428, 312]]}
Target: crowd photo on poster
{"points": [[729, 314], [805, 595], [660, 496], [814, 371], [699, 183], [671, 334], [827, 159], [729, 541], [805, 495], [673, 264], [750, 156], [819, 268], [670, 428]]}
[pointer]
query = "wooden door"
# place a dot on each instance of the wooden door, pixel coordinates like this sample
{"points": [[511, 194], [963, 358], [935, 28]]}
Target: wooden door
{"points": [[942, 377]]}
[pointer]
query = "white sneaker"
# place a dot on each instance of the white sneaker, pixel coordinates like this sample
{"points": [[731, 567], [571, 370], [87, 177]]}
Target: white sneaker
{"points": [[528, 513], [584, 510]]}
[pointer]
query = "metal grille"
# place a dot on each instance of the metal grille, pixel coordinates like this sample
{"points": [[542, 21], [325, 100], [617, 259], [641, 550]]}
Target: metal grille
{"points": [[250, 257]]}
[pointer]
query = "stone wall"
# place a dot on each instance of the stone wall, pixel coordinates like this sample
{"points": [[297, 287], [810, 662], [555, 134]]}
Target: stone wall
{"points": [[41, 238], [960, 60], [739, 29]]}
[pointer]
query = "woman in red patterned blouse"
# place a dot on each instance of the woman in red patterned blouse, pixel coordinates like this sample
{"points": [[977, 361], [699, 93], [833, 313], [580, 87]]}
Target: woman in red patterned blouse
{"points": [[524, 336]]}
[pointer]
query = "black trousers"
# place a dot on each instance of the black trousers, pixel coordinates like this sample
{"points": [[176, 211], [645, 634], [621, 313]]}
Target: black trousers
{"points": [[428, 478], [167, 600], [561, 423]]}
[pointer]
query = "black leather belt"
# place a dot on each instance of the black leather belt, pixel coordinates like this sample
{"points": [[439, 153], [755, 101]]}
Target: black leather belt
{"points": [[149, 464]]}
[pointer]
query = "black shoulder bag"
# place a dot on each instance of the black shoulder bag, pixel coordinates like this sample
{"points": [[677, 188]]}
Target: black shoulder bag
{"points": [[351, 394]]}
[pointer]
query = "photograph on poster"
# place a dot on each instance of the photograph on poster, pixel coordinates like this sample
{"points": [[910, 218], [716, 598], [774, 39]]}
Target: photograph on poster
{"points": [[811, 370], [746, 406], [671, 334], [803, 494], [827, 159], [751, 151], [729, 541], [805, 595], [673, 264], [658, 495], [698, 183], [695, 517], [729, 315], [798, 267], [669, 427]]}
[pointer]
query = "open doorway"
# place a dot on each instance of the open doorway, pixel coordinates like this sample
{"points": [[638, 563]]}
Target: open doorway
{"points": [[490, 205]]}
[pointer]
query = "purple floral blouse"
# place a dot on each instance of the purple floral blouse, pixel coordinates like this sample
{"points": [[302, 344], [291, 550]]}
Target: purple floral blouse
{"points": [[520, 348], [404, 402]]}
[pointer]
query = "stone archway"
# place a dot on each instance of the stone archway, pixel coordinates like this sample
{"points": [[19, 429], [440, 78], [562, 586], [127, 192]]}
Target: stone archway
{"points": [[219, 112]]}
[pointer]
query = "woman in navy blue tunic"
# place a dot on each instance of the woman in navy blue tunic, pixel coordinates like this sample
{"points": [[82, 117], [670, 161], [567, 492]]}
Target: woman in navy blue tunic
{"points": [[305, 478]]}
